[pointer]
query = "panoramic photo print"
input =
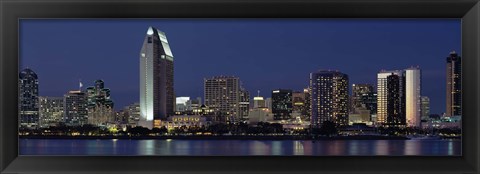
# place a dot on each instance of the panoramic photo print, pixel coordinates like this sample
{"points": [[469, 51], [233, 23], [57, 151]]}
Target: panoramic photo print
{"points": [[240, 87]]}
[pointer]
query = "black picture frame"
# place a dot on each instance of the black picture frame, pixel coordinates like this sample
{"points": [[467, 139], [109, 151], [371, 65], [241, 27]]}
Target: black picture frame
{"points": [[13, 10]]}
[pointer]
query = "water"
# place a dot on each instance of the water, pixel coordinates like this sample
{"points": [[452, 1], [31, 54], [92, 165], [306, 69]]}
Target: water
{"points": [[239, 147]]}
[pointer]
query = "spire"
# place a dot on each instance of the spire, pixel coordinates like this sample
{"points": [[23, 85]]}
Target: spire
{"points": [[258, 93], [150, 30]]}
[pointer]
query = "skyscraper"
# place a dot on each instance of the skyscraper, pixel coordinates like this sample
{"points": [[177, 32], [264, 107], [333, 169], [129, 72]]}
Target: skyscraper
{"points": [[244, 104], [99, 104], [222, 94], [258, 102], [364, 96], [300, 103], [75, 108], [384, 95], [425, 108], [454, 85], [399, 97], [51, 111], [413, 96], [395, 107], [329, 98], [282, 106], [157, 100], [28, 98]]}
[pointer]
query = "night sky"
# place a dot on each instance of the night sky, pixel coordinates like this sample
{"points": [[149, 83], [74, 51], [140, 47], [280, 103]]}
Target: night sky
{"points": [[266, 54]]}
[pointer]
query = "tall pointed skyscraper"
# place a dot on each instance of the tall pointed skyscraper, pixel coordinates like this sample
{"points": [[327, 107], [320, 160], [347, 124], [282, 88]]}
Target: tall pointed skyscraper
{"points": [[157, 100], [454, 85]]}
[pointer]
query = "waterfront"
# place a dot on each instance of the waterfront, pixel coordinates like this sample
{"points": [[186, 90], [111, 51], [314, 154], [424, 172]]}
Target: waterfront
{"points": [[172, 147]]}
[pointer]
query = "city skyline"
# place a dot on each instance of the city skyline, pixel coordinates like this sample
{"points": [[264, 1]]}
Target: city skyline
{"points": [[296, 83]]}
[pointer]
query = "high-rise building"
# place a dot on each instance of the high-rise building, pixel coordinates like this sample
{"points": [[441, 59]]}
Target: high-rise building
{"points": [[399, 97], [133, 112], [395, 109], [268, 103], [329, 92], [454, 85], [51, 111], [244, 104], [384, 95], [301, 104], [363, 98], [222, 94], [157, 99], [308, 105], [282, 106], [28, 98], [258, 101], [75, 109], [413, 96], [425, 108], [99, 104]]}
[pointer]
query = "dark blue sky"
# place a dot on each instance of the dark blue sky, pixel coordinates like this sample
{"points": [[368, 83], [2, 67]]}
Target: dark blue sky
{"points": [[266, 54]]}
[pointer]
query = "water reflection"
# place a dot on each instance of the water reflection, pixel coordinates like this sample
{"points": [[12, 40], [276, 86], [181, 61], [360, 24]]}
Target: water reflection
{"points": [[239, 147], [298, 148]]}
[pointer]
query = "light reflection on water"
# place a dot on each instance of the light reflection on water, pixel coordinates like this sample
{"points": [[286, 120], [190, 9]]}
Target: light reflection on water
{"points": [[240, 147]]}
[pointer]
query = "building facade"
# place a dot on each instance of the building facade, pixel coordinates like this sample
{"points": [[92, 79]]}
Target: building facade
{"points": [[282, 105], [364, 97], [28, 99], [244, 104], [399, 97], [385, 96], [425, 107], [51, 111], [413, 96], [75, 109], [454, 85], [157, 99], [222, 94], [329, 98], [100, 106]]}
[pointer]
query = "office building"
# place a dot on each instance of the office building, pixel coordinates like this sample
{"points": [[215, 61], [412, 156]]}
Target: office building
{"points": [[395, 101], [329, 92], [454, 85], [399, 97], [413, 96], [425, 107], [28, 99], [50, 111], [133, 113], [75, 111], [99, 104], [257, 115], [365, 97], [268, 103], [157, 100], [223, 95], [258, 101], [282, 105], [390, 97], [244, 104], [301, 104]]}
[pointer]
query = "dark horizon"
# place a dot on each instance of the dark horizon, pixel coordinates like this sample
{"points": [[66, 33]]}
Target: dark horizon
{"points": [[262, 53]]}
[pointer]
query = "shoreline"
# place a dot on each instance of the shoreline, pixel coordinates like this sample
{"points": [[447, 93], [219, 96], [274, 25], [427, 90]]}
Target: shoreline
{"points": [[222, 137]]}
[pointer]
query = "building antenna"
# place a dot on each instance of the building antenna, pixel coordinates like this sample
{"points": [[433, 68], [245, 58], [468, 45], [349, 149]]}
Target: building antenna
{"points": [[258, 93]]}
